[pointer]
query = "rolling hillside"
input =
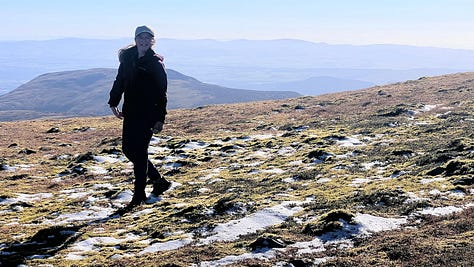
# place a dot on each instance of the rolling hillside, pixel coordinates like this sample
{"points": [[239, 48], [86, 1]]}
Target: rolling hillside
{"points": [[85, 93], [382, 176]]}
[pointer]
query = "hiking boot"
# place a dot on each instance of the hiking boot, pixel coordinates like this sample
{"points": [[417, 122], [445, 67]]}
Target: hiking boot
{"points": [[137, 200], [160, 186]]}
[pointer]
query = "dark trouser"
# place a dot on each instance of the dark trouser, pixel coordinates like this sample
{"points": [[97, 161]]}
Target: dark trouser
{"points": [[136, 138]]}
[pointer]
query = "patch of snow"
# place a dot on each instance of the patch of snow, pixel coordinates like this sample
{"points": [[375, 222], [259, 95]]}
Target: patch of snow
{"points": [[370, 165], [97, 170], [301, 128], [172, 165], [78, 195], [260, 154], [107, 159], [263, 256], [427, 108], [412, 197], [457, 193], [366, 224], [103, 186], [143, 212], [169, 245], [435, 192], [349, 142], [124, 197], [295, 163], [309, 247], [8, 168], [286, 151], [194, 145], [262, 136], [27, 198], [289, 180], [275, 171], [260, 220], [61, 157], [94, 244], [323, 180], [440, 211], [156, 140], [213, 174], [358, 181], [93, 213], [204, 190], [372, 224], [427, 181], [255, 164], [156, 150]]}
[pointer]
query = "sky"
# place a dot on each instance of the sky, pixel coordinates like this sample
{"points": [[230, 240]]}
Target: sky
{"points": [[437, 23]]}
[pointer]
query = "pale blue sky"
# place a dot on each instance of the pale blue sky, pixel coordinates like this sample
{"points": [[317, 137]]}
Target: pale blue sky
{"points": [[440, 23]]}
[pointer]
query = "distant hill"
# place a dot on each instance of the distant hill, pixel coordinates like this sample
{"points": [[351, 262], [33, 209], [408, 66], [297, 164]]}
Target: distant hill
{"points": [[86, 92], [316, 85], [244, 64]]}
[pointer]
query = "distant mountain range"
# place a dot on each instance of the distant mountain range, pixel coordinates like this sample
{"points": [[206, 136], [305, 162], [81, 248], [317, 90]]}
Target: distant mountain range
{"points": [[245, 64], [86, 92]]}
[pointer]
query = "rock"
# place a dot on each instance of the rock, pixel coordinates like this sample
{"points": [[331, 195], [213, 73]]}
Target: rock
{"points": [[82, 129], [18, 177], [455, 167], [84, 157], [53, 130], [319, 155], [299, 263], [464, 181], [267, 242], [27, 151]]}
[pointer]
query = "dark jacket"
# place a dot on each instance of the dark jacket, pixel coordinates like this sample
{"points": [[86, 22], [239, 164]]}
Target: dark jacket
{"points": [[143, 83]]}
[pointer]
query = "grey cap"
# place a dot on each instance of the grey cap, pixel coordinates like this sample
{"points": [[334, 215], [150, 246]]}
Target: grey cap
{"points": [[142, 29]]}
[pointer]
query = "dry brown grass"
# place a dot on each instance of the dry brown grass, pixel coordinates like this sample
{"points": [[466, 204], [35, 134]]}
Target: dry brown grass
{"points": [[418, 142]]}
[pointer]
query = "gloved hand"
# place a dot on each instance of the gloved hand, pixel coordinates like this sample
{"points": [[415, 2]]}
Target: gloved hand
{"points": [[117, 112], [158, 127]]}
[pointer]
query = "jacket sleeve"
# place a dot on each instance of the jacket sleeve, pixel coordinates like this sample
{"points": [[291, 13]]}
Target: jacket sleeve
{"points": [[162, 88], [117, 88]]}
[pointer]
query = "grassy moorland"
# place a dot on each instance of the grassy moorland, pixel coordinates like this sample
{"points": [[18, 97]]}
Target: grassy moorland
{"points": [[376, 177]]}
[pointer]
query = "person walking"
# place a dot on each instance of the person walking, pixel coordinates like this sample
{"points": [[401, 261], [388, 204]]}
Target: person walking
{"points": [[142, 80]]}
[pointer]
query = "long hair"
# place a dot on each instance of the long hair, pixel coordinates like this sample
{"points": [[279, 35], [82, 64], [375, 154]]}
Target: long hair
{"points": [[123, 49]]}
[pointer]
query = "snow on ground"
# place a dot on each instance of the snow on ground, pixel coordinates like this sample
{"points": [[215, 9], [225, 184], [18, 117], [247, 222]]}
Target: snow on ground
{"points": [[92, 213], [349, 142], [365, 225], [372, 224], [257, 221], [194, 145], [28, 198], [428, 181], [264, 255], [440, 211], [80, 249], [169, 245], [108, 159], [17, 167]]}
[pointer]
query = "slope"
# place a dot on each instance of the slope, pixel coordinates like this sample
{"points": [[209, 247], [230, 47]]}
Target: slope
{"points": [[85, 93], [377, 177]]}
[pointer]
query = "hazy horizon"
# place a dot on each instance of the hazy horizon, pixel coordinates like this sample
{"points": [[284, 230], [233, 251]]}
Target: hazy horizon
{"points": [[443, 24]]}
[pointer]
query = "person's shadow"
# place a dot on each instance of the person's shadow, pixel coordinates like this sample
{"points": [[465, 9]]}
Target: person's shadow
{"points": [[49, 241], [45, 243]]}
